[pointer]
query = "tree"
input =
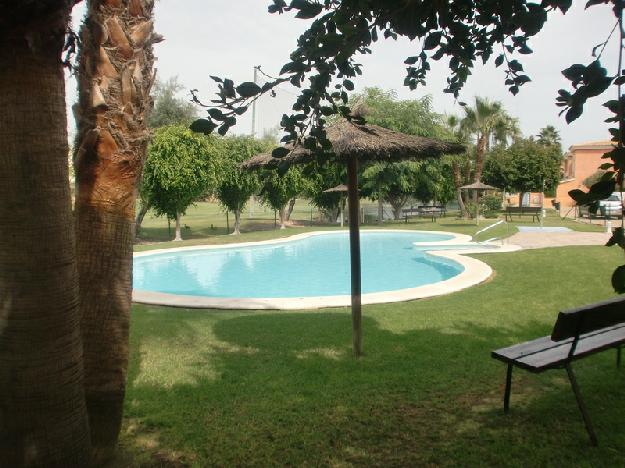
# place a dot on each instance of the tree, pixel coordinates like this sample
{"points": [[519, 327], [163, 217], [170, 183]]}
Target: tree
{"points": [[43, 416], [461, 164], [277, 189], [393, 183], [114, 80], [319, 177], [488, 122], [181, 166], [168, 108], [237, 186], [525, 166], [549, 136]]}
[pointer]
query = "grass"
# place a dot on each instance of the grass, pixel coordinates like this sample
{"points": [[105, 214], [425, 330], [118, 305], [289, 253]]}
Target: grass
{"points": [[206, 223], [224, 388]]}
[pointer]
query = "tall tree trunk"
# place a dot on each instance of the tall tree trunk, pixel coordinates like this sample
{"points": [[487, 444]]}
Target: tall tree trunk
{"points": [[145, 207], [480, 156], [282, 214], [237, 222], [397, 204], [178, 236], [290, 209], [455, 168], [43, 418], [115, 78], [380, 210]]}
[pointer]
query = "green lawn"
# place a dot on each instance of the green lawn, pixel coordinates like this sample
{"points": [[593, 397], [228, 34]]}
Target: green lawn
{"points": [[232, 388], [206, 223]]}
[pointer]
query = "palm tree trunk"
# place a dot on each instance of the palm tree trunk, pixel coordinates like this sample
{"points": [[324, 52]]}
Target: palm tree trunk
{"points": [[237, 222], [455, 168], [115, 78], [43, 417], [480, 154], [178, 236]]}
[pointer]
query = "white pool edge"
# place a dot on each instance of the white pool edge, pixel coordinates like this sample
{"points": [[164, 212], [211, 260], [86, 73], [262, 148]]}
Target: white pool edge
{"points": [[475, 272]]}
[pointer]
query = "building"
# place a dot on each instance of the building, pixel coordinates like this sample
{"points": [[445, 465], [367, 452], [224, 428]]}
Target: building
{"points": [[580, 162]]}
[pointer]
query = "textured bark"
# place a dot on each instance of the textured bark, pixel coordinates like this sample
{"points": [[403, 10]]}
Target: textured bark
{"points": [[289, 211], [178, 236], [282, 214], [145, 207], [480, 157], [397, 203], [115, 77], [455, 168], [43, 419], [237, 222]]}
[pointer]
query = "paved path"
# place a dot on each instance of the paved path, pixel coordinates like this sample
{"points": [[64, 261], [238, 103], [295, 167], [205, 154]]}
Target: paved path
{"points": [[539, 240]]}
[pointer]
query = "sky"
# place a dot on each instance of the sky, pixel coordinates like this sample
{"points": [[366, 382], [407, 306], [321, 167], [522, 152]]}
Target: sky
{"points": [[228, 38]]}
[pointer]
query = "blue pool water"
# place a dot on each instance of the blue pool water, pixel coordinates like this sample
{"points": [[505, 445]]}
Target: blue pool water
{"points": [[313, 266]]}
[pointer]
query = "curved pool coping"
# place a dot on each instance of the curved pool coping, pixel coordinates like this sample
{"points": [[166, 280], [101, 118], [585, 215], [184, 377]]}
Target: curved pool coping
{"points": [[475, 272]]}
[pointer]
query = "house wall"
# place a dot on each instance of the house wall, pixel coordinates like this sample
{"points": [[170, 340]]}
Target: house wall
{"points": [[580, 162]]}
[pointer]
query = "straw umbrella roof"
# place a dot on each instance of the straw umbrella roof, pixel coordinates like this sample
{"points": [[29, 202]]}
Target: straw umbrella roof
{"points": [[260, 161], [478, 186], [338, 188], [366, 143]]}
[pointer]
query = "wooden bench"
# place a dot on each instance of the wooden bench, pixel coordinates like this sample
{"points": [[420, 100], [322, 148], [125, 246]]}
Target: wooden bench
{"points": [[576, 334], [424, 211], [533, 211]]}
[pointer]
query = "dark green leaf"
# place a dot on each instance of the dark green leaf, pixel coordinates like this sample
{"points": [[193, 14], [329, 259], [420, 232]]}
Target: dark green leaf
{"points": [[202, 126], [280, 152], [248, 89]]}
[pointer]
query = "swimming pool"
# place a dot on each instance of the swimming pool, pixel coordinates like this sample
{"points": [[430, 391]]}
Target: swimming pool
{"points": [[309, 270]]}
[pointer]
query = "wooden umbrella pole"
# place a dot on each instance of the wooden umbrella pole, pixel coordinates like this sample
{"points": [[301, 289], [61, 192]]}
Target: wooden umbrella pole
{"points": [[354, 249]]}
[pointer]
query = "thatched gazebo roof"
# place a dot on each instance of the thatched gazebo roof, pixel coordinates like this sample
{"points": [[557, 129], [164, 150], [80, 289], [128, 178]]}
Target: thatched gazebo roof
{"points": [[368, 143], [338, 188], [478, 186], [260, 161]]}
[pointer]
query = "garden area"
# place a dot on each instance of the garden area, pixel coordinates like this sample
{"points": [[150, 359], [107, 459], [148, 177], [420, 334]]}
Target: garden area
{"points": [[335, 287], [209, 387]]}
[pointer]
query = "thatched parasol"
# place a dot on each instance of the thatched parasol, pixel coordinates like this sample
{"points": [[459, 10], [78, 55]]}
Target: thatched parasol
{"points": [[259, 161], [478, 187], [343, 189], [352, 143]]}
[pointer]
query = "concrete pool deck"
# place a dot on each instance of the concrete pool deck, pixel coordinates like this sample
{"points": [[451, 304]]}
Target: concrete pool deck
{"points": [[474, 272], [541, 240]]}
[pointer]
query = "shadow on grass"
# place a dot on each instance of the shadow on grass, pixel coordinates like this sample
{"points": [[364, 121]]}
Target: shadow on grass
{"points": [[283, 388]]}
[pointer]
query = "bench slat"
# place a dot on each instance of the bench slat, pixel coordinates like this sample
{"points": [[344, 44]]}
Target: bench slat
{"points": [[543, 353]]}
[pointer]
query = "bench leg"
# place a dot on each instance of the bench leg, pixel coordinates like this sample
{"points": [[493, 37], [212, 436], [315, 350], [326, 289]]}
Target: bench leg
{"points": [[506, 395], [582, 407]]}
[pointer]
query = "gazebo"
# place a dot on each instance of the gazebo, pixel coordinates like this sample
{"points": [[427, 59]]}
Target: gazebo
{"points": [[342, 189], [352, 144], [478, 187]]}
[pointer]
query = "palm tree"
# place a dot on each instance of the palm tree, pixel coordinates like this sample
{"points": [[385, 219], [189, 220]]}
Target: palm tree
{"points": [[549, 136], [489, 123], [43, 418], [114, 80], [459, 162]]}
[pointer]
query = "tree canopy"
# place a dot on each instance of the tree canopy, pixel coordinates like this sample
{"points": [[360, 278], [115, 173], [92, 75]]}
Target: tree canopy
{"points": [[277, 189], [237, 186], [181, 166], [169, 109], [523, 167]]}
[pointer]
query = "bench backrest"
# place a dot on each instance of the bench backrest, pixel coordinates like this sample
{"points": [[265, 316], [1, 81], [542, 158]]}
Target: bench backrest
{"points": [[523, 209], [575, 322]]}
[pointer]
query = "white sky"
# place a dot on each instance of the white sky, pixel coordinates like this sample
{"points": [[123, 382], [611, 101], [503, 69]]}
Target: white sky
{"points": [[229, 37]]}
